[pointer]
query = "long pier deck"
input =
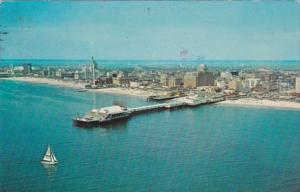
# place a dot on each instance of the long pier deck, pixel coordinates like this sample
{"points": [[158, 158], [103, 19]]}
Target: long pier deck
{"points": [[156, 107], [93, 118], [177, 103]]}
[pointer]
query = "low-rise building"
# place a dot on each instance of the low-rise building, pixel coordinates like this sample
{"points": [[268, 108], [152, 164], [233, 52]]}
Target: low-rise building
{"points": [[123, 81], [235, 84], [134, 84], [64, 74], [225, 75], [4, 74]]}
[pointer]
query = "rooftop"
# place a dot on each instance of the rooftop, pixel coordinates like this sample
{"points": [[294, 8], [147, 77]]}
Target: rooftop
{"points": [[110, 110]]}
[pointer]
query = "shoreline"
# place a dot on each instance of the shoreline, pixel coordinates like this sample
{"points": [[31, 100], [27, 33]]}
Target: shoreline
{"points": [[243, 102], [264, 103], [80, 85]]}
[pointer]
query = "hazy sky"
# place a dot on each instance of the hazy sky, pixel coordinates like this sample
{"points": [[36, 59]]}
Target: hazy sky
{"points": [[151, 30]]}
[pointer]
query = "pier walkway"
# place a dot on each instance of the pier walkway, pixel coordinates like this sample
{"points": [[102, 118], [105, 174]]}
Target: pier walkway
{"points": [[156, 107], [176, 103]]}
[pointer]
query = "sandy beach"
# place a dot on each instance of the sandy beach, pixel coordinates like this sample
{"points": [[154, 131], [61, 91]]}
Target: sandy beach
{"points": [[262, 103], [145, 93], [55, 82], [80, 85]]}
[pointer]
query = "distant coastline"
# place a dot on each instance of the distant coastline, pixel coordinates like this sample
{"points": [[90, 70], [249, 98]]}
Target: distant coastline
{"points": [[80, 85], [161, 63]]}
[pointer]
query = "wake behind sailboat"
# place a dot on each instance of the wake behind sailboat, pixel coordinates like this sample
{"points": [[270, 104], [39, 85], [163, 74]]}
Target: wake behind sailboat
{"points": [[49, 158]]}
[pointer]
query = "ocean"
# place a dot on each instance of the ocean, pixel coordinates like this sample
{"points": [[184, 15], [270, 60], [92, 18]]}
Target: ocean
{"points": [[208, 148]]}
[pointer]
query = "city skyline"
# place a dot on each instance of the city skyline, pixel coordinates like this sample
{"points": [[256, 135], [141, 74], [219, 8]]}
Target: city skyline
{"points": [[151, 30]]}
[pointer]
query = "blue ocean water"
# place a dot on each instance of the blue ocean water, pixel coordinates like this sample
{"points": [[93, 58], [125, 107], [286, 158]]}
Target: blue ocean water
{"points": [[117, 64], [209, 148]]}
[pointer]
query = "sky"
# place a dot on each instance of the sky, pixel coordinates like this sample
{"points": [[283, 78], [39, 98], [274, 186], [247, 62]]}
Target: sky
{"points": [[231, 30]]}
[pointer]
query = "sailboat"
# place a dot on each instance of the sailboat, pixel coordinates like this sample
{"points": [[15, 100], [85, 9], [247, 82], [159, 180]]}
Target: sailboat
{"points": [[49, 158]]}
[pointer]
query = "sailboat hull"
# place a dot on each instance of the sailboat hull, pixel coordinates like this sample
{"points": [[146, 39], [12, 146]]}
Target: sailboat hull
{"points": [[49, 162]]}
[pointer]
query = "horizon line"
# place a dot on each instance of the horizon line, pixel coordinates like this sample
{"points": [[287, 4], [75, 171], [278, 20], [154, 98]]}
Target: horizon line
{"points": [[158, 59]]}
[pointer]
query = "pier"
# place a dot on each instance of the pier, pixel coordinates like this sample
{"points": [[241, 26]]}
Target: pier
{"points": [[109, 114]]}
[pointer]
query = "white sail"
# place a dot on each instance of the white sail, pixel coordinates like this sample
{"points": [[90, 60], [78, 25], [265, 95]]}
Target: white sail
{"points": [[49, 157], [53, 156]]}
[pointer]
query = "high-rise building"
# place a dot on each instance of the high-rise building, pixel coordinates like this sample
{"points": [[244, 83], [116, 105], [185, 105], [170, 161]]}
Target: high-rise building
{"points": [[297, 85], [48, 72], [58, 73], [190, 80], [27, 69], [94, 68], [251, 83], [164, 80], [175, 82], [94, 63], [76, 75], [205, 79]]}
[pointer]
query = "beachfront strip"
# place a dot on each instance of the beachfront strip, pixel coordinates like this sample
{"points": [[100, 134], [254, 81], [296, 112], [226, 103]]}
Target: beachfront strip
{"points": [[244, 86]]}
